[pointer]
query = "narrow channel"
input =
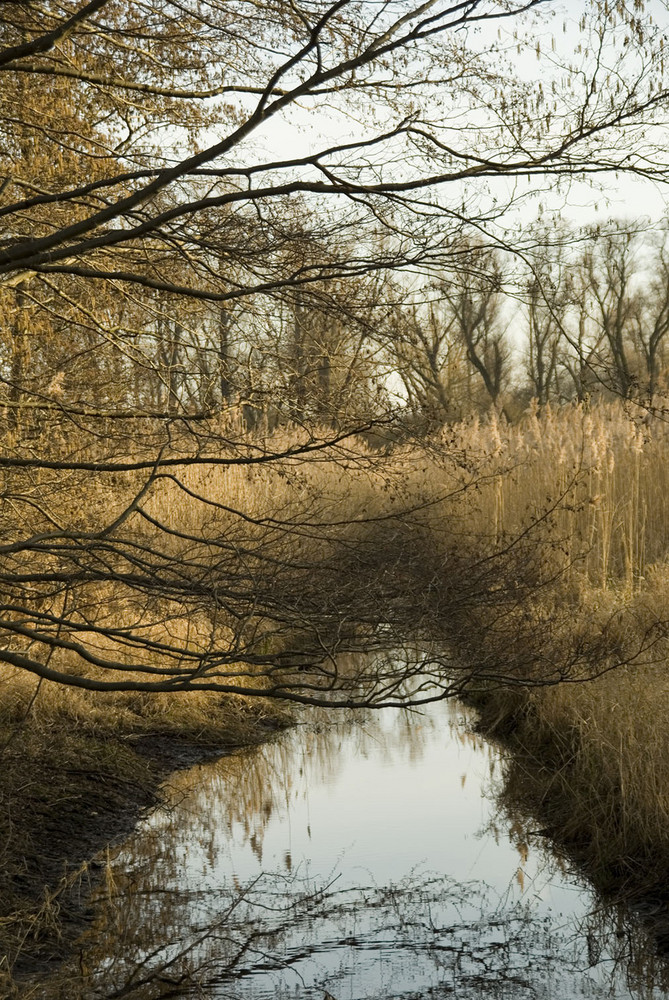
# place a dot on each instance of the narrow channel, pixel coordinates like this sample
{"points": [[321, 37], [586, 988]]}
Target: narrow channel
{"points": [[361, 857]]}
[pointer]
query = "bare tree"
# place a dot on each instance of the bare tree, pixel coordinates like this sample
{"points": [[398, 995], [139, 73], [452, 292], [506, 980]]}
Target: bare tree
{"points": [[610, 267], [650, 320], [547, 303], [616, 321], [154, 235], [474, 296]]}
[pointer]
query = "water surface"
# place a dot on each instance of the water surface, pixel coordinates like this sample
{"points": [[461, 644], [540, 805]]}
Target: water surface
{"points": [[363, 857]]}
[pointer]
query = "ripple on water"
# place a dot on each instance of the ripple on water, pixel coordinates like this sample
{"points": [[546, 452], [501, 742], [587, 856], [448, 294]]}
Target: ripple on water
{"points": [[364, 859]]}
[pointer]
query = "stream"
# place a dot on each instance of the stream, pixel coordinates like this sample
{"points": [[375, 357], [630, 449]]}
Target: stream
{"points": [[357, 856]]}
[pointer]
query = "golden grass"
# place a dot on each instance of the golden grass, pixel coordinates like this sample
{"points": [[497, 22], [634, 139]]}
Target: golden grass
{"points": [[577, 495], [585, 489], [591, 759], [570, 507], [602, 471], [591, 763], [198, 717]]}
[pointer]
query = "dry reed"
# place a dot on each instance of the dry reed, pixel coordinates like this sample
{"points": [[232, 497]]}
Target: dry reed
{"points": [[568, 507]]}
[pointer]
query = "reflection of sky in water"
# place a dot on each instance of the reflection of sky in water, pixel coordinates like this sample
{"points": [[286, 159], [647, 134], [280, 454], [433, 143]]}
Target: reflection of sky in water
{"points": [[428, 899], [383, 803]]}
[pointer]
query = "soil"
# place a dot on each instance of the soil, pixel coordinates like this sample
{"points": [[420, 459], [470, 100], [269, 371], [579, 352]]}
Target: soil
{"points": [[62, 802]]}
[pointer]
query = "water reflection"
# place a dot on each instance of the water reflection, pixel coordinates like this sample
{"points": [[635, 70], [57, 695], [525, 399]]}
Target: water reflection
{"points": [[362, 858]]}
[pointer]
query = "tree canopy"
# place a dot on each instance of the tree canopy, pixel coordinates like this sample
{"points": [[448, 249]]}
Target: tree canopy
{"points": [[214, 219]]}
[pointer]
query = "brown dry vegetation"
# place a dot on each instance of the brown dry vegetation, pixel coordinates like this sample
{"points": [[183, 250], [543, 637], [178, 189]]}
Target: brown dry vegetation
{"points": [[523, 555], [591, 761]]}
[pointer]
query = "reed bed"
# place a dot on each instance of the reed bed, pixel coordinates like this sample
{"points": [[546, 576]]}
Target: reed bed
{"points": [[557, 509], [590, 755], [590, 764], [537, 552], [600, 472]]}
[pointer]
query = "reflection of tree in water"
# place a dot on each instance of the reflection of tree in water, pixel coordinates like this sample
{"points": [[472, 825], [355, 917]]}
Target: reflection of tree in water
{"points": [[281, 937], [241, 793], [163, 928], [246, 790]]}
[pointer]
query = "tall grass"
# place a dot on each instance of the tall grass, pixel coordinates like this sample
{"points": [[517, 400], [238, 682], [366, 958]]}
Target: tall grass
{"points": [[602, 470], [591, 759], [537, 550], [576, 495]]}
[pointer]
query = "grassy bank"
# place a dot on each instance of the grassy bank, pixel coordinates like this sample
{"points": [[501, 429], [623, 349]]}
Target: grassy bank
{"points": [[592, 763], [590, 755]]}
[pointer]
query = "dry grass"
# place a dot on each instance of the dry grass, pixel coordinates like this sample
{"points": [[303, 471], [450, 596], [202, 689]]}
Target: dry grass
{"points": [[591, 764], [590, 759], [538, 550], [488, 533], [602, 474]]}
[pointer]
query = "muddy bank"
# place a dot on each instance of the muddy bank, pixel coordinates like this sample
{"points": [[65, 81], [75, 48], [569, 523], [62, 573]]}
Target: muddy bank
{"points": [[64, 797]]}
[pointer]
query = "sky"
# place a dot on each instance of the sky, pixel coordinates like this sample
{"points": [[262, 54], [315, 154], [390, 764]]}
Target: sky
{"points": [[556, 29]]}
